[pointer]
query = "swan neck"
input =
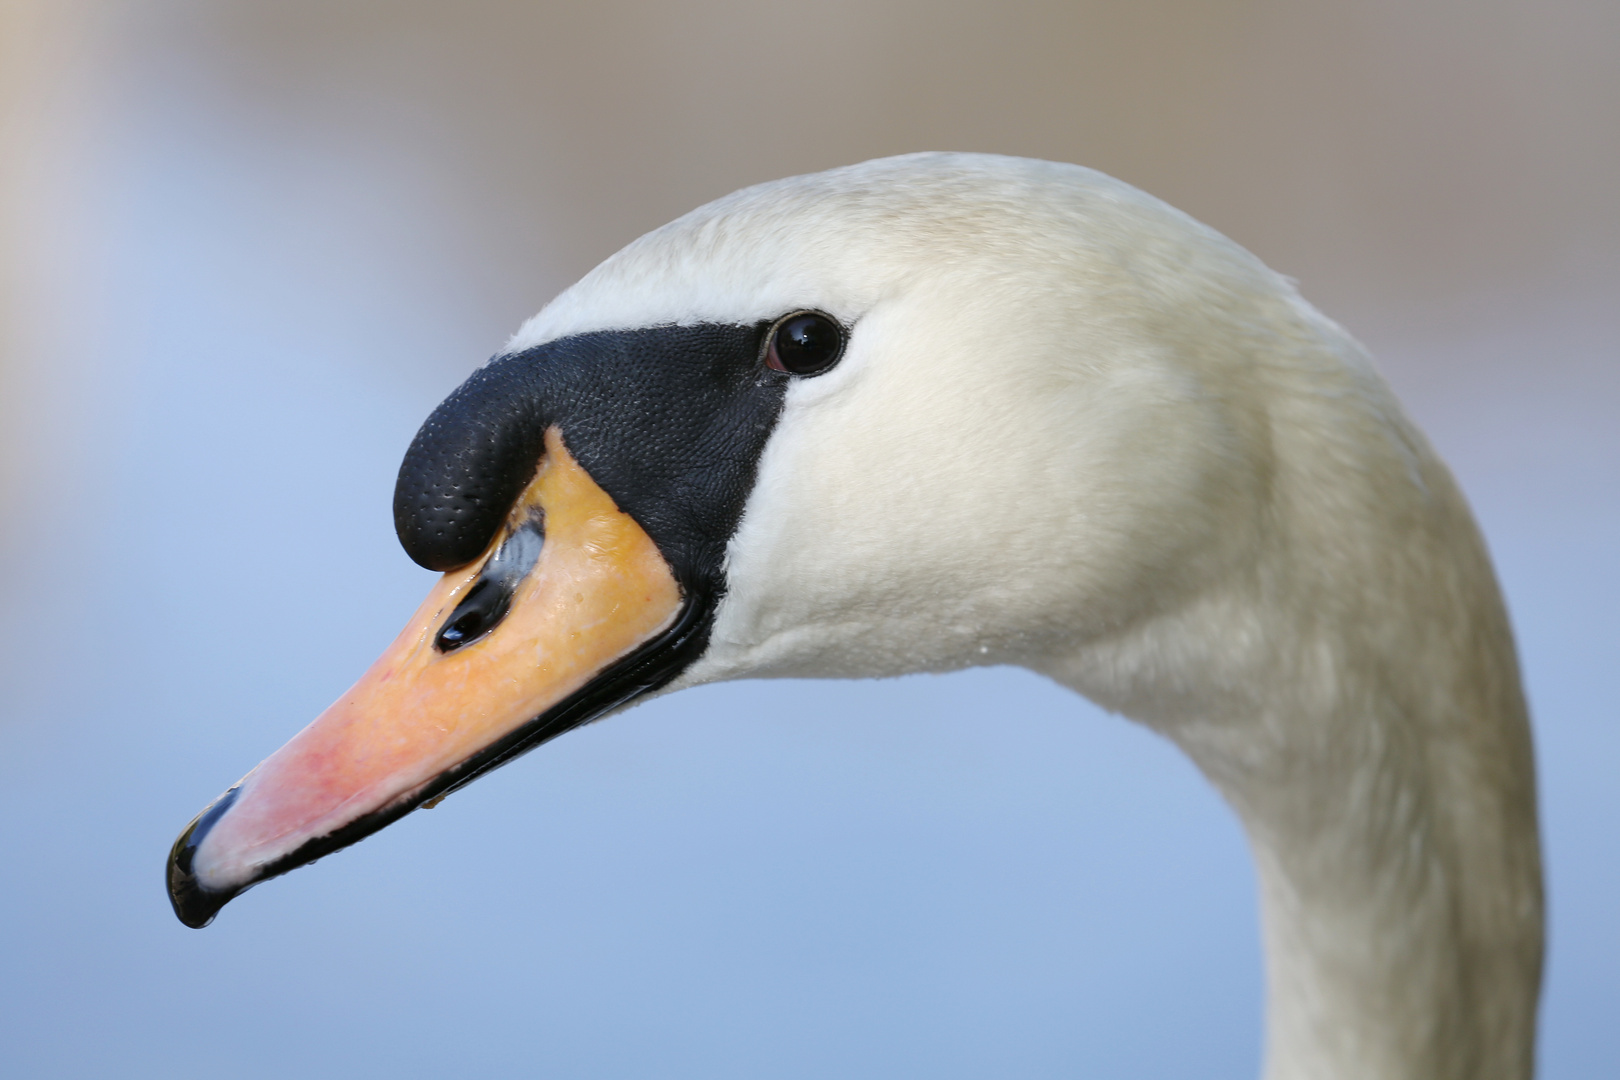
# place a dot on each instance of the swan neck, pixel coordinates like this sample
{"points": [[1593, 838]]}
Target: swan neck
{"points": [[1372, 737], [1398, 944]]}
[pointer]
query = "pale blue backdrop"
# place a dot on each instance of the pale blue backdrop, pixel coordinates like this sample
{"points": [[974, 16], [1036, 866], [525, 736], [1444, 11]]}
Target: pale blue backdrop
{"points": [[972, 876]]}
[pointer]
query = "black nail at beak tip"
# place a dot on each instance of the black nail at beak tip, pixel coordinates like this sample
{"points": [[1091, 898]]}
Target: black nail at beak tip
{"points": [[194, 905]]}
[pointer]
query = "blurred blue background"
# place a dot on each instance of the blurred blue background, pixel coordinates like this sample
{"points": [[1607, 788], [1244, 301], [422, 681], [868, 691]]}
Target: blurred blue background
{"points": [[248, 246]]}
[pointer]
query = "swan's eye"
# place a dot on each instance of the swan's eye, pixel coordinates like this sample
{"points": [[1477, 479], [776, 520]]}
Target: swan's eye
{"points": [[804, 343]]}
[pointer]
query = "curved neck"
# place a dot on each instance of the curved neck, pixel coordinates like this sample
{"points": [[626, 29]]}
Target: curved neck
{"points": [[1400, 891], [1357, 702]]}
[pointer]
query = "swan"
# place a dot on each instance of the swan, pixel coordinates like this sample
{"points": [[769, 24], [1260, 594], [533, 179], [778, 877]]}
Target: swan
{"points": [[945, 410]]}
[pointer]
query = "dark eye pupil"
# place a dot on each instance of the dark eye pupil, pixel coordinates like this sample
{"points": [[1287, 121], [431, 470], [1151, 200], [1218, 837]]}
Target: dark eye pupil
{"points": [[806, 344]]}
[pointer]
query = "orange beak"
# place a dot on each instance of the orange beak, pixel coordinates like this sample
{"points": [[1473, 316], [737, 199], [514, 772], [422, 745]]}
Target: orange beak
{"points": [[543, 632]]}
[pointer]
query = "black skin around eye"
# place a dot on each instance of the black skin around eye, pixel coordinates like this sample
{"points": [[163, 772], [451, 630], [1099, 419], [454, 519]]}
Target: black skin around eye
{"points": [[807, 343], [488, 601]]}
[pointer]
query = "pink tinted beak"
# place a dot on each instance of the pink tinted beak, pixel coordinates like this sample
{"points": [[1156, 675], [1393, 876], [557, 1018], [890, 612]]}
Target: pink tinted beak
{"points": [[551, 627]]}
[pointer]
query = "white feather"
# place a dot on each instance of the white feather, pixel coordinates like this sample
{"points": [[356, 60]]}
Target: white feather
{"points": [[1078, 431]]}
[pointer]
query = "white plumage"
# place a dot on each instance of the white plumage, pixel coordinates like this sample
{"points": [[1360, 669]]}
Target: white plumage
{"points": [[1078, 431]]}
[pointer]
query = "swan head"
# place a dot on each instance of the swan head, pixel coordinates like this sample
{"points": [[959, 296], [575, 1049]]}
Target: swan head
{"points": [[1044, 425], [1024, 424]]}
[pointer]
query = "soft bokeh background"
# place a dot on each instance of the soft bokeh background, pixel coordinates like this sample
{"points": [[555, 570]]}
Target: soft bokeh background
{"points": [[244, 249]]}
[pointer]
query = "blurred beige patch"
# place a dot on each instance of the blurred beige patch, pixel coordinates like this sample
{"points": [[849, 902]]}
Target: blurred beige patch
{"points": [[1391, 155]]}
